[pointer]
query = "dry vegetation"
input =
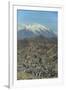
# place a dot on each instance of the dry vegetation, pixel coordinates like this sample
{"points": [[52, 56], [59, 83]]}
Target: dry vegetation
{"points": [[37, 58]]}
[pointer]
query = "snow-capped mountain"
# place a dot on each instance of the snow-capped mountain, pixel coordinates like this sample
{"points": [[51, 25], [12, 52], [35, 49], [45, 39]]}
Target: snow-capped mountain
{"points": [[33, 30]]}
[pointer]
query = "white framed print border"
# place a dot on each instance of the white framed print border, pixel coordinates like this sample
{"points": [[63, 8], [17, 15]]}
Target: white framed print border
{"points": [[13, 82]]}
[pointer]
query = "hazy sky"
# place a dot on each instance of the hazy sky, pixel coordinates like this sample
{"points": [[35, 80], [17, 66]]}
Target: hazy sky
{"points": [[47, 18]]}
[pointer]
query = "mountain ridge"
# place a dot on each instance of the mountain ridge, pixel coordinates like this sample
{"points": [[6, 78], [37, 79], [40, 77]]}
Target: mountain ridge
{"points": [[32, 30]]}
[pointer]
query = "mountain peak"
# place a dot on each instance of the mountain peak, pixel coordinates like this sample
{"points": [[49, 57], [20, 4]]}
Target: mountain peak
{"points": [[32, 30], [32, 27]]}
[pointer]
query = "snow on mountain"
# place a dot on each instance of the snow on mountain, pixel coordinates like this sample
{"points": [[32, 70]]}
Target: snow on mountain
{"points": [[32, 27], [31, 30]]}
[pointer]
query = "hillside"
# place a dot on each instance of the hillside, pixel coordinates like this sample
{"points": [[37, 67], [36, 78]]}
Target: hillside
{"points": [[37, 58]]}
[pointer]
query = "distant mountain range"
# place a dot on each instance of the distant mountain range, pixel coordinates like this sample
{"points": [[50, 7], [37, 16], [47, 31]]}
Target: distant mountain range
{"points": [[33, 30]]}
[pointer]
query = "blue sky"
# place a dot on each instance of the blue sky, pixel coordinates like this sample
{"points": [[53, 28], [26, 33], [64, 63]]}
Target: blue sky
{"points": [[47, 18]]}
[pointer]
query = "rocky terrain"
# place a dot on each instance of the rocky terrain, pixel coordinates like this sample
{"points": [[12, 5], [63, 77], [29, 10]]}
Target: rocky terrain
{"points": [[37, 58]]}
